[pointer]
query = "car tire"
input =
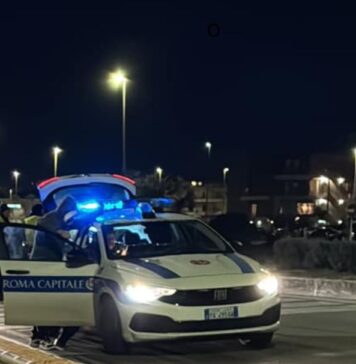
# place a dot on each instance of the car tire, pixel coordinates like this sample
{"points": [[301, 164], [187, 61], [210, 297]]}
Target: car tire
{"points": [[257, 341], [110, 328]]}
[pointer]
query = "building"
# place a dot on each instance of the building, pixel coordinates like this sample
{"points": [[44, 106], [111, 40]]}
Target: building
{"points": [[209, 199], [317, 186]]}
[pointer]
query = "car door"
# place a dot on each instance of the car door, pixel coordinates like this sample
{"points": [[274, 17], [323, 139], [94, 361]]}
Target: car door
{"points": [[42, 283]]}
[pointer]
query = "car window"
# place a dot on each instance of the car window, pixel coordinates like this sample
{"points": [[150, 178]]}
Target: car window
{"points": [[157, 238], [30, 243]]}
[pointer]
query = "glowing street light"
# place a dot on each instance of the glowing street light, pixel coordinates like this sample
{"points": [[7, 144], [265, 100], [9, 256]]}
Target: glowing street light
{"points": [[225, 172], [56, 152], [116, 80], [208, 147], [159, 172], [16, 175]]}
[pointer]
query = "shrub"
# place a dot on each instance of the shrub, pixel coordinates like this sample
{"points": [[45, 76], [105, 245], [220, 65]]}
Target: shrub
{"points": [[301, 253]]}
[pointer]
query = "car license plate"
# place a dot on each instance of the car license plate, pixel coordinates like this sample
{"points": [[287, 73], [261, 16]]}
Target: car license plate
{"points": [[221, 313]]}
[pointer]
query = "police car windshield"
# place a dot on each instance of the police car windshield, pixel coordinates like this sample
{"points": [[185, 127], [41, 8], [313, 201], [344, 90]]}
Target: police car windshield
{"points": [[157, 238]]}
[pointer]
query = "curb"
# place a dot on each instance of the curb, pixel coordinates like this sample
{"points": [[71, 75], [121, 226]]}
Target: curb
{"points": [[7, 357], [13, 352], [319, 287]]}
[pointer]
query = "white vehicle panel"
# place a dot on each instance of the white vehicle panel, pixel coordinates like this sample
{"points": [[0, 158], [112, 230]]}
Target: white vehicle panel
{"points": [[49, 294]]}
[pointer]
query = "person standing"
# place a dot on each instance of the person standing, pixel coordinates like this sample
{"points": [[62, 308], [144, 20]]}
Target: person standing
{"points": [[53, 338]]}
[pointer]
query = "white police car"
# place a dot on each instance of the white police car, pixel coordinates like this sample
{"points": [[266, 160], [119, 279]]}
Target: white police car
{"points": [[137, 276]]}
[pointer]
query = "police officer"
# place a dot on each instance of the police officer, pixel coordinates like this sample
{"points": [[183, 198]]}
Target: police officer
{"points": [[35, 215], [53, 338]]}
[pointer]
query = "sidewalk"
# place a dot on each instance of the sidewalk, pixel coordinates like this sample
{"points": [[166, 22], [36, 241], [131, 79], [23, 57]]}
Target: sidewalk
{"points": [[322, 283], [12, 352]]}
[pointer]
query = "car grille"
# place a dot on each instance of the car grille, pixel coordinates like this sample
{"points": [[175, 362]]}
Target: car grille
{"points": [[214, 297], [142, 322]]}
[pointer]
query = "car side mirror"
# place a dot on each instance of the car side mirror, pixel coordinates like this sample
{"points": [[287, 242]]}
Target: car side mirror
{"points": [[78, 258]]}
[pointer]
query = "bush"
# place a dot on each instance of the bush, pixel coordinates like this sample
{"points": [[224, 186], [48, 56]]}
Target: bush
{"points": [[301, 253]]}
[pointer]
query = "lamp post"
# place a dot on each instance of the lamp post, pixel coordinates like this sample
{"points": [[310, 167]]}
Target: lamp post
{"points": [[225, 172], [353, 198], [159, 172], [208, 146], [116, 80], [16, 175], [354, 184], [56, 152]]}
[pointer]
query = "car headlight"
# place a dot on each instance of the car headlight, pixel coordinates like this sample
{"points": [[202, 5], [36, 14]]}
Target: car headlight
{"points": [[269, 285], [145, 294]]}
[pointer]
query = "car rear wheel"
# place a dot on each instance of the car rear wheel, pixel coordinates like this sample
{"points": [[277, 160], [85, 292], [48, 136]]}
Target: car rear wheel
{"points": [[110, 328], [257, 341]]}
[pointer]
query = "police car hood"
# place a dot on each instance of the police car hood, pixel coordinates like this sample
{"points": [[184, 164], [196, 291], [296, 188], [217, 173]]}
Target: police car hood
{"points": [[189, 265]]}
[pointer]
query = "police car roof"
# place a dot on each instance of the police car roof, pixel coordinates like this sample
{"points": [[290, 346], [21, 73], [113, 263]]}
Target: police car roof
{"points": [[166, 216]]}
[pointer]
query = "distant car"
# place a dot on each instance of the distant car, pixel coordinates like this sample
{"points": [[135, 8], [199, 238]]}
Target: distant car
{"points": [[254, 242], [326, 232]]}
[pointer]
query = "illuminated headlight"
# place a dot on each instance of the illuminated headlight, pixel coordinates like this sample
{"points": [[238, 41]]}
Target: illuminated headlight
{"points": [[146, 294], [269, 285]]}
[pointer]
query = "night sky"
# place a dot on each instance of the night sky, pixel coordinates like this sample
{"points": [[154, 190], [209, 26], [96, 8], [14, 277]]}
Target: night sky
{"points": [[281, 83]]}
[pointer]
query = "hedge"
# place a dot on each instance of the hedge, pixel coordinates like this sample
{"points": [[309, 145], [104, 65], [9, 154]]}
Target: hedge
{"points": [[301, 253]]}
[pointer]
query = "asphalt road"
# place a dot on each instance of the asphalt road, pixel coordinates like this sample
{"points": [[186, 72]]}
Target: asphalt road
{"points": [[313, 331]]}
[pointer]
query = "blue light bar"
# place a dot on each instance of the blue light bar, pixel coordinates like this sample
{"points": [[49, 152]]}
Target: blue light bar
{"points": [[109, 206], [162, 202], [145, 208], [88, 206]]}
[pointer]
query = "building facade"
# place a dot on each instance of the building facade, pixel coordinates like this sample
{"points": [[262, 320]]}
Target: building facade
{"points": [[315, 186]]}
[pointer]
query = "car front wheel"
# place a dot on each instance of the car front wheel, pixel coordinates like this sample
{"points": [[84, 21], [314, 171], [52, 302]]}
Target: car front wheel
{"points": [[110, 328]]}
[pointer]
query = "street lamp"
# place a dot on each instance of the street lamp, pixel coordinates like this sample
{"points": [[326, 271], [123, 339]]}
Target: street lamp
{"points": [[56, 152], [159, 172], [208, 147], [16, 175], [225, 172], [116, 80], [354, 187]]}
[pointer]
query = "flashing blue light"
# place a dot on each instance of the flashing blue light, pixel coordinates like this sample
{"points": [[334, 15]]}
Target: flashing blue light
{"points": [[162, 202], [88, 206], [118, 205], [145, 208]]}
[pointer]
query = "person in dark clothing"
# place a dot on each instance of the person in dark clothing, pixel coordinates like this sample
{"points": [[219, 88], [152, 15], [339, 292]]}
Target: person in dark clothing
{"points": [[53, 338], [5, 212]]}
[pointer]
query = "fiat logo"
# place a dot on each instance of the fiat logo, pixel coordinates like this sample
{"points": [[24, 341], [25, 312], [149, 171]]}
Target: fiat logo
{"points": [[200, 262], [220, 294]]}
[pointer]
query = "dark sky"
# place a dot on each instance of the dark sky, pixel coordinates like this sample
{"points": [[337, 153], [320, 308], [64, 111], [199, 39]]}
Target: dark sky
{"points": [[268, 83]]}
